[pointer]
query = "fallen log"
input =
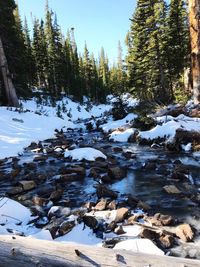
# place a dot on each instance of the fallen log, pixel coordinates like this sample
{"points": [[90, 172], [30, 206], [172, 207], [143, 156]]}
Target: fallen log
{"points": [[27, 252]]}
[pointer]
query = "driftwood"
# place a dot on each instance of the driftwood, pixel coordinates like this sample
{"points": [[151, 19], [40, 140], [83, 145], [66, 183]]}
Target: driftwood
{"points": [[27, 252], [8, 84]]}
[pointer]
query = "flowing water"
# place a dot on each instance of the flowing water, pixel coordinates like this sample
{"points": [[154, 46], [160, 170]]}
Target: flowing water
{"points": [[144, 183]]}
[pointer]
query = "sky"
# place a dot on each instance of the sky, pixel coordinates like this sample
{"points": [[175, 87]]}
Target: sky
{"points": [[98, 22]]}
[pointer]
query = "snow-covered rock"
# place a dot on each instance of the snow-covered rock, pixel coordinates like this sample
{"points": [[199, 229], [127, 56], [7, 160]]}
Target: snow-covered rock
{"points": [[87, 153], [112, 125]]}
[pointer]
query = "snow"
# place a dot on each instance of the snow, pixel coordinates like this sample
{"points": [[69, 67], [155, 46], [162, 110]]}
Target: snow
{"points": [[168, 128], [139, 245], [37, 122], [13, 216], [111, 125], [87, 153], [80, 236], [121, 136]]}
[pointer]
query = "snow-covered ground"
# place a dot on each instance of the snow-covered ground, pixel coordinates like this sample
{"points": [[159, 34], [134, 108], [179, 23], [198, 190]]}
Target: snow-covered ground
{"points": [[19, 129]]}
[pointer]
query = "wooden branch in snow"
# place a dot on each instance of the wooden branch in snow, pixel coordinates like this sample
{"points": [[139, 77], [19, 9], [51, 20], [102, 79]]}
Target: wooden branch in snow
{"points": [[28, 252]]}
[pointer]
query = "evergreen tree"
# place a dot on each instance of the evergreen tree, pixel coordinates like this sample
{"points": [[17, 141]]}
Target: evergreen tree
{"points": [[12, 38], [178, 40], [30, 62], [147, 51]]}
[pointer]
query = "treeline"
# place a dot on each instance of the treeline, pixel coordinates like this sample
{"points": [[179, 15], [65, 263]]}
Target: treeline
{"points": [[158, 50], [51, 61], [153, 69]]}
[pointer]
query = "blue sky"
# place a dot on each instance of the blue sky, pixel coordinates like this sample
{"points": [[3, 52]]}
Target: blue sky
{"points": [[98, 22]]}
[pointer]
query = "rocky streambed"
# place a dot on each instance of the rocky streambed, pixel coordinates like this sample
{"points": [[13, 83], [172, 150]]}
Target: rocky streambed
{"points": [[152, 190]]}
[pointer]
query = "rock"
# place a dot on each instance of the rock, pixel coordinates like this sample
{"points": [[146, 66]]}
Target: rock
{"points": [[150, 166], [40, 158], [132, 202], [119, 230], [90, 221], [117, 173], [171, 189], [128, 155], [70, 177], [30, 166], [112, 205], [39, 201], [166, 241], [121, 214], [184, 232], [111, 226], [74, 169], [59, 211], [149, 234], [143, 205], [89, 205], [165, 220], [95, 171], [56, 195], [27, 185], [103, 191], [134, 218], [101, 205], [66, 227], [15, 190], [133, 137], [117, 149], [106, 179]]}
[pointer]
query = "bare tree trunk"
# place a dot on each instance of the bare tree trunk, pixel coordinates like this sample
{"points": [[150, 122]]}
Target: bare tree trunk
{"points": [[9, 87], [194, 19]]}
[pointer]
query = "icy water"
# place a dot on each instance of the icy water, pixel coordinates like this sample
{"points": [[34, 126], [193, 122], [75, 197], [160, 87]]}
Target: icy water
{"points": [[143, 183]]}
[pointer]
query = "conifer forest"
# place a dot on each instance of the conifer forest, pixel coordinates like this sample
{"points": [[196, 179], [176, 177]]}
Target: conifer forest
{"points": [[100, 153]]}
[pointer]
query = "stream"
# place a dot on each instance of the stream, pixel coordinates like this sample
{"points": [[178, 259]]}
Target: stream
{"points": [[148, 170]]}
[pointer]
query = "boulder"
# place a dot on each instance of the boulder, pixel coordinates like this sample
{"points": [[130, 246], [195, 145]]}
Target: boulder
{"points": [[112, 205], [102, 191], [27, 185], [90, 221], [121, 214], [185, 232], [117, 173], [166, 241], [101, 205], [171, 189], [66, 227]]}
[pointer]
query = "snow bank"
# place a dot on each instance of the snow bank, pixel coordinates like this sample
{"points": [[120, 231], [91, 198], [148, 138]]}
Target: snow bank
{"points": [[170, 124], [18, 130], [82, 235], [121, 136], [111, 125], [139, 245], [87, 153]]}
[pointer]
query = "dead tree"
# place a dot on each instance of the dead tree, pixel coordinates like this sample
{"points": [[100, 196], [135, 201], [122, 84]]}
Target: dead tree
{"points": [[194, 20], [11, 95]]}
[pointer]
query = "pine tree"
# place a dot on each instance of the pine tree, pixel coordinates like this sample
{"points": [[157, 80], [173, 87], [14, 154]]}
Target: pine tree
{"points": [[147, 51], [40, 54], [30, 62], [12, 39], [178, 40]]}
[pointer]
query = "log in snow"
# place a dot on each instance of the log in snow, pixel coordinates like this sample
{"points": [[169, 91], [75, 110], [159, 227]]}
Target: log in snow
{"points": [[27, 252]]}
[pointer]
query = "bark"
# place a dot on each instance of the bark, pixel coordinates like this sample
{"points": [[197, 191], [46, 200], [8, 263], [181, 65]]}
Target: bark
{"points": [[11, 95], [194, 20], [27, 252]]}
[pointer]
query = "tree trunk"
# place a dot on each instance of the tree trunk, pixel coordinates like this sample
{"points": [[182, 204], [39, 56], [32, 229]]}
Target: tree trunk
{"points": [[9, 87], [28, 252], [194, 19]]}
